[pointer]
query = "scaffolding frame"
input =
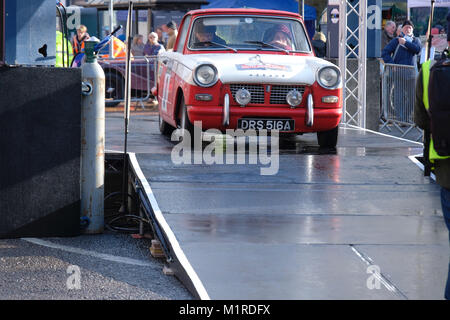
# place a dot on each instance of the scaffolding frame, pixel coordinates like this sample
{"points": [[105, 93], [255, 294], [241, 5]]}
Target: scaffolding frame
{"points": [[355, 115]]}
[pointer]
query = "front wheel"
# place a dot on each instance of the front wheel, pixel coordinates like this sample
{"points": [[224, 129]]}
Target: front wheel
{"points": [[165, 128], [328, 139], [186, 126]]}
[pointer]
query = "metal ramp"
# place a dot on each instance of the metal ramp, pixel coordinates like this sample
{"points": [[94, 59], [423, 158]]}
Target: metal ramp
{"points": [[360, 223]]}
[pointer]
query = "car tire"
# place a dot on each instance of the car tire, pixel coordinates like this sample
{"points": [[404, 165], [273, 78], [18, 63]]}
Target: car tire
{"points": [[114, 89], [328, 139], [165, 128], [185, 123]]}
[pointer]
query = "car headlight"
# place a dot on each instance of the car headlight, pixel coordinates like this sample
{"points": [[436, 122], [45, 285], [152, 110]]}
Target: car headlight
{"points": [[329, 77], [205, 75], [294, 98], [243, 97]]}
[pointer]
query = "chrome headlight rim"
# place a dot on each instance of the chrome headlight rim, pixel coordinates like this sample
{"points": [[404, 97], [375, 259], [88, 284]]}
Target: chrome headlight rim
{"points": [[338, 80], [200, 84]]}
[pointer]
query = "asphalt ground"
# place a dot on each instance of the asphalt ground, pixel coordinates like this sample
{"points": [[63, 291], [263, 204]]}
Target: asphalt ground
{"points": [[89, 267], [108, 266]]}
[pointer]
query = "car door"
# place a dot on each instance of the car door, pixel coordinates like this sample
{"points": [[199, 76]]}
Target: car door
{"points": [[166, 81]]}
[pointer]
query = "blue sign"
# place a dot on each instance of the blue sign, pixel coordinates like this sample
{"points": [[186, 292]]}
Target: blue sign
{"points": [[374, 18]]}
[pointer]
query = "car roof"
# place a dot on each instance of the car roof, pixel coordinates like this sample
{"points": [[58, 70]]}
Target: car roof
{"points": [[234, 11]]}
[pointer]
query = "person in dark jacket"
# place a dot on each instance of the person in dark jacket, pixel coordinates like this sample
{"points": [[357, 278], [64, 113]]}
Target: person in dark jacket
{"points": [[319, 43], [402, 50], [441, 166]]}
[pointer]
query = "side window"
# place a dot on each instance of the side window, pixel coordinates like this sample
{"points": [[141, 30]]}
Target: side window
{"points": [[183, 34]]}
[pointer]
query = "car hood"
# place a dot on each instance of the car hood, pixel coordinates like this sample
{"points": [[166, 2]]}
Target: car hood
{"points": [[257, 68]]}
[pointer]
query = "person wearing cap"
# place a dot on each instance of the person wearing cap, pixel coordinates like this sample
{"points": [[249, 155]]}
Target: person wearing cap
{"points": [[441, 164], [403, 50], [173, 33], [280, 36], [205, 36]]}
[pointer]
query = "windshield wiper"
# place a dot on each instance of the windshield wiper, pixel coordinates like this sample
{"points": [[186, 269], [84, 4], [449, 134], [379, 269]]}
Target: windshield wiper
{"points": [[265, 44], [203, 43]]}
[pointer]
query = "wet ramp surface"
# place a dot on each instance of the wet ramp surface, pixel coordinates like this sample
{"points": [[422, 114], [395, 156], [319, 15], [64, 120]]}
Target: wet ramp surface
{"points": [[320, 228]]}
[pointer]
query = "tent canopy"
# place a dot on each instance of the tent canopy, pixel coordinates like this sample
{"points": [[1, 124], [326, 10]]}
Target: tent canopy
{"points": [[284, 5], [427, 3]]}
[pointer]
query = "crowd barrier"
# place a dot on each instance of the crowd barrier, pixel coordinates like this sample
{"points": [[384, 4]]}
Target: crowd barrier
{"points": [[143, 75], [398, 84]]}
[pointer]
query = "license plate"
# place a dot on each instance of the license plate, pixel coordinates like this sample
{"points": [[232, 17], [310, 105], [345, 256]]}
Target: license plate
{"points": [[268, 124]]}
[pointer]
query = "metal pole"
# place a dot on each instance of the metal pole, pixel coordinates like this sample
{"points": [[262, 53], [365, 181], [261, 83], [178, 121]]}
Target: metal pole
{"points": [[92, 141], [111, 26], [427, 133], [342, 54], [430, 37], [301, 8], [362, 61], [127, 107]]}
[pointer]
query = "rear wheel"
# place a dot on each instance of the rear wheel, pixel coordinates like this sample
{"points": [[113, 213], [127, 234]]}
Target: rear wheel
{"points": [[114, 89], [328, 139]]}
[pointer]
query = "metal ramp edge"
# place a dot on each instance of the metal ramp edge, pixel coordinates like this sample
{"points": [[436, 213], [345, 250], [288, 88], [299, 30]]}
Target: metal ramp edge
{"points": [[175, 256]]}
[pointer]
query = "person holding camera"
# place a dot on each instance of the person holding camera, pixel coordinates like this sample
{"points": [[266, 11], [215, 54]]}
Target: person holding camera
{"points": [[403, 50]]}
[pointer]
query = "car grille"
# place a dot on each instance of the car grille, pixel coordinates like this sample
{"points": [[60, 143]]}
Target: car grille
{"points": [[277, 92], [257, 91]]}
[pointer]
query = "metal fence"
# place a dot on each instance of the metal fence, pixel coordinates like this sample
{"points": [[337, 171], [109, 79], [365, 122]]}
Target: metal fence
{"points": [[143, 75], [397, 105]]}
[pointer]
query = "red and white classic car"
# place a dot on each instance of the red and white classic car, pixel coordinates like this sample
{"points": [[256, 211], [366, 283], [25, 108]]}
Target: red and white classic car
{"points": [[248, 69]]}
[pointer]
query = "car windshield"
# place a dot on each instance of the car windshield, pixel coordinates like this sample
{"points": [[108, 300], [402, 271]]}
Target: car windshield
{"points": [[248, 33]]}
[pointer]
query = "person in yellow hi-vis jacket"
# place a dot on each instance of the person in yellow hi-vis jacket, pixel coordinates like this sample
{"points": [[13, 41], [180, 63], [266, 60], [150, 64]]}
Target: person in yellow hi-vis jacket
{"points": [[440, 163], [62, 59]]}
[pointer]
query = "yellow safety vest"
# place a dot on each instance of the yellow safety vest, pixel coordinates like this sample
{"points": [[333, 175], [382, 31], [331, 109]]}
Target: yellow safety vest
{"points": [[426, 80], [60, 50]]}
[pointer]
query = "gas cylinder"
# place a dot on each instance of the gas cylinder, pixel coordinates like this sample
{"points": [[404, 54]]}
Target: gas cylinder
{"points": [[92, 140]]}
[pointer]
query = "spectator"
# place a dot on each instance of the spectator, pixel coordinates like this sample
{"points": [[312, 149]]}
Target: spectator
{"points": [[79, 39], [388, 33], [159, 32], [319, 43], [403, 50], [173, 33], [153, 47], [137, 47]]}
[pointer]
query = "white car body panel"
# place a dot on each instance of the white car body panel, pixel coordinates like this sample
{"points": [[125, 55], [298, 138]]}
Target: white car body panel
{"points": [[250, 68]]}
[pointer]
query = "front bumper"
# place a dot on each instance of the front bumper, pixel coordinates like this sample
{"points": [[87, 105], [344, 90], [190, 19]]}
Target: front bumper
{"points": [[213, 116]]}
